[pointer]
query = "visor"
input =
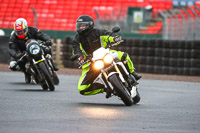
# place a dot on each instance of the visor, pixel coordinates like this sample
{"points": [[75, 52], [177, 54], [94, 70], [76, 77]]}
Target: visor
{"points": [[20, 32], [82, 25]]}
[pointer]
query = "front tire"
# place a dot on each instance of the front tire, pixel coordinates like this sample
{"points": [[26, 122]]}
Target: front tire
{"points": [[121, 90], [47, 76]]}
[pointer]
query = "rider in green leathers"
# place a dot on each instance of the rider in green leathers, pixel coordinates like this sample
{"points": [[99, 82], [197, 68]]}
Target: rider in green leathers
{"points": [[85, 43]]}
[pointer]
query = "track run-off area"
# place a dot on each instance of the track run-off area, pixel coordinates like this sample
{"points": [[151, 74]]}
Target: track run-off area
{"points": [[165, 106]]}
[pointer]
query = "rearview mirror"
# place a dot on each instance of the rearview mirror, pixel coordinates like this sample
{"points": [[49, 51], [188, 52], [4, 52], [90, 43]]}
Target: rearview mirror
{"points": [[115, 29]]}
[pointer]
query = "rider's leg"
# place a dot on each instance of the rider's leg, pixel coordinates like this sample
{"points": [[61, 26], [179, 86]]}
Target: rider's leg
{"points": [[86, 85], [132, 78], [48, 51], [23, 69], [125, 57]]}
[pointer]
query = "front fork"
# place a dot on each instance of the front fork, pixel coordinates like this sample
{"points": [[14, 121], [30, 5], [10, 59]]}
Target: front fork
{"points": [[116, 71], [35, 63]]}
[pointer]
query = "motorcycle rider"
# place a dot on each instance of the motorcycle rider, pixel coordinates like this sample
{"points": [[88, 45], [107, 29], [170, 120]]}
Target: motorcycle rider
{"points": [[86, 42], [17, 47]]}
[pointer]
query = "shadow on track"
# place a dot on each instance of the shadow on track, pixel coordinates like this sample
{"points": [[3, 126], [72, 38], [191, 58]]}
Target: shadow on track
{"points": [[22, 83], [31, 90], [37, 87]]}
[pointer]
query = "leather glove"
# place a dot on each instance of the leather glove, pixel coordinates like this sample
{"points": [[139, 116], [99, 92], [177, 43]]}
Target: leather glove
{"points": [[48, 43], [81, 60], [117, 38]]}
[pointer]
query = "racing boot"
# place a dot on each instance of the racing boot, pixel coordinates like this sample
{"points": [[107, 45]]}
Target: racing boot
{"points": [[137, 75], [49, 56], [55, 67], [132, 85], [134, 91], [131, 80], [27, 77]]}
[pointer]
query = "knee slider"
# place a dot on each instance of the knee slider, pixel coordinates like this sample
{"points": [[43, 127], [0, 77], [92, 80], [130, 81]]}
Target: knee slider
{"points": [[81, 92]]}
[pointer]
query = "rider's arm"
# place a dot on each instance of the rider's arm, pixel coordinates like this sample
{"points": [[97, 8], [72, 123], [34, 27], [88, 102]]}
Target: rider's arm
{"points": [[76, 47], [41, 36], [13, 47], [106, 38]]}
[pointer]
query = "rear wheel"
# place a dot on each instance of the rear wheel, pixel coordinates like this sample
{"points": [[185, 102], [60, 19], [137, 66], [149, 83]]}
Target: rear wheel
{"points": [[121, 90], [47, 76]]}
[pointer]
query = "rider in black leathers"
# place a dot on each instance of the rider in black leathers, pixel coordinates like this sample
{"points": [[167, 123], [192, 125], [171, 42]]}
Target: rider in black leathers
{"points": [[18, 38]]}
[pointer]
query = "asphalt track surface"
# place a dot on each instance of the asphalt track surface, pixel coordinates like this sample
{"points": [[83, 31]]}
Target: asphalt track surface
{"points": [[166, 107]]}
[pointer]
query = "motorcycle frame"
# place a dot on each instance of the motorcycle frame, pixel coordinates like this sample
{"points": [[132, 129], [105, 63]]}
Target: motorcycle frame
{"points": [[47, 63]]}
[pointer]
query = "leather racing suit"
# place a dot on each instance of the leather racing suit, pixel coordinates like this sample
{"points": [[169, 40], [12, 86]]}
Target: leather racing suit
{"points": [[84, 45], [17, 46]]}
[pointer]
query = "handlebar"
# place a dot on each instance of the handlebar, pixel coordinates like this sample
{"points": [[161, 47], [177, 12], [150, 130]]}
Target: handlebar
{"points": [[76, 56], [113, 44], [20, 59]]}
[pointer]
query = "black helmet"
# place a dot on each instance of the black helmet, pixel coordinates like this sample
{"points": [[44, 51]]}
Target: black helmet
{"points": [[84, 24]]}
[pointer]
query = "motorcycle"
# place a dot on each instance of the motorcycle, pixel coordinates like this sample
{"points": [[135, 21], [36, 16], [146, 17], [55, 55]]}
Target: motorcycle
{"points": [[114, 75], [39, 65]]}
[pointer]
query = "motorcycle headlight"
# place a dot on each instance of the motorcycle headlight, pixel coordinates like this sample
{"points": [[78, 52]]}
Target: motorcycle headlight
{"points": [[34, 49], [99, 64], [108, 59]]}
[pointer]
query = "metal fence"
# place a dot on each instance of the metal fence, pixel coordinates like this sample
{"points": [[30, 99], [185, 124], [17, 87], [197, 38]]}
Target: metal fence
{"points": [[178, 24]]}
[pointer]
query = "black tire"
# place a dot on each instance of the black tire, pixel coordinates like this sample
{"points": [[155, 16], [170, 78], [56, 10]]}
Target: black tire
{"points": [[44, 86], [55, 79], [47, 76], [121, 90]]}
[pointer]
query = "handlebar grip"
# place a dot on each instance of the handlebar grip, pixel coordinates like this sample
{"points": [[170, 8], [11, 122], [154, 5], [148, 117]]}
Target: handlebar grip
{"points": [[20, 59], [113, 44]]}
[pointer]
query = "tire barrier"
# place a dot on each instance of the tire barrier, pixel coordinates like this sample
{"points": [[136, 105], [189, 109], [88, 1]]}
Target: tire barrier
{"points": [[67, 53], [4, 55], [174, 57]]}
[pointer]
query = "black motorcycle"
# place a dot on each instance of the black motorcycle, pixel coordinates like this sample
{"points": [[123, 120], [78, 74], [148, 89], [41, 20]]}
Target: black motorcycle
{"points": [[39, 65]]}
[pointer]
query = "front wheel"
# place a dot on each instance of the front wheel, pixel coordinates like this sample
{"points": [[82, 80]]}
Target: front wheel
{"points": [[47, 76], [121, 90]]}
